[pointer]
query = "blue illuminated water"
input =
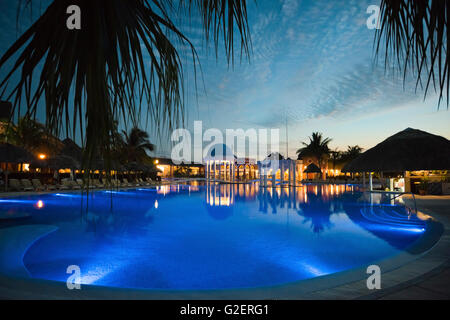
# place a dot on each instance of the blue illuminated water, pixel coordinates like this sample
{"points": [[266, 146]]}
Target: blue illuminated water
{"points": [[215, 237]]}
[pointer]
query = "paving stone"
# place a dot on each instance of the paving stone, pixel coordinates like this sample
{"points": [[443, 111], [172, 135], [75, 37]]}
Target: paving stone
{"points": [[414, 293]]}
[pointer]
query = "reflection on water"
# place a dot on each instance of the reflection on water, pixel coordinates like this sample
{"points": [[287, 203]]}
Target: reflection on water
{"points": [[194, 236], [316, 204]]}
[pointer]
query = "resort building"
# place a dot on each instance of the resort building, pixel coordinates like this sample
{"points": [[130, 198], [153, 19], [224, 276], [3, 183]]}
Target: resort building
{"points": [[312, 163], [278, 171], [409, 161], [168, 169], [221, 164]]}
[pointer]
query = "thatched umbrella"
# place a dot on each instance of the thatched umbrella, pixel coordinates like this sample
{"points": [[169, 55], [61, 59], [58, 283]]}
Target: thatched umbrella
{"points": [[57, 162], [72, 150], [313, 168], [408, 150], [13, 154]]}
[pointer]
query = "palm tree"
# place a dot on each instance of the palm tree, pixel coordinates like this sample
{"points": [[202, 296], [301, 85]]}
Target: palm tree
{"points": [[123, 62], [335, 157], [136, 145], [352, 153], [30, 135], [317, 147], [415, 34]]}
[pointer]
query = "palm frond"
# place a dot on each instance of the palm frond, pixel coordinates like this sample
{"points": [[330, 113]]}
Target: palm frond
{"points": [[415, 35], [122, 63]]}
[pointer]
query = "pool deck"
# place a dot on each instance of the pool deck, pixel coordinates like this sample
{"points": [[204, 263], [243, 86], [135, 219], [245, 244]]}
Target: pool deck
{"points": [[427, 277], [436, 283]]}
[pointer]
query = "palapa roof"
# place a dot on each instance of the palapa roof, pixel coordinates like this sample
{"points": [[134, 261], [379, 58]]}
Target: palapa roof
{"points": [[408, 150], [71, 149], [12, 154], [313, 168]]}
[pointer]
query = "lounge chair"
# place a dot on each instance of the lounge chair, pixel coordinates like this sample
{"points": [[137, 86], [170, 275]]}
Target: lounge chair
{"points": [[116, 183], [74, 185], [125, 183], [14, 184], [97, 183], [63, 187], [27, 185], [143, 183], [66, 184], [81, 183], [38, 186]]}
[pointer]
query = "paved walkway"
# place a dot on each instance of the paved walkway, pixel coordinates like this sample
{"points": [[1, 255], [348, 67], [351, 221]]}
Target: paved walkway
{"points": [[434, 285]]}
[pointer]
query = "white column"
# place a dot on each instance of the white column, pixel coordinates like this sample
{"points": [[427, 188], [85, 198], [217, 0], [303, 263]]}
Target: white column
{"points": [[371, 181], [364, 180], [225, 167], [294, 166], [291, 171]]}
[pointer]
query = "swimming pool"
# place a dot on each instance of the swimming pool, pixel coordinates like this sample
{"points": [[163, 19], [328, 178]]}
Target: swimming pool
{"points": [[197, 237]]}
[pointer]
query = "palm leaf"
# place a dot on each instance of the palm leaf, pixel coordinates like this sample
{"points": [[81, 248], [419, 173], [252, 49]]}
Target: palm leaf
{"points": [[415, 34], [92, 77]]}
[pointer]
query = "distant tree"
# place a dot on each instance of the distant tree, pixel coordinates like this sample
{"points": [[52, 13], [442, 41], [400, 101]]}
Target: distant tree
{"points": [[336, 156], [125, 61], [317, 147], [352, 153], [136, 145], [30, 135]]}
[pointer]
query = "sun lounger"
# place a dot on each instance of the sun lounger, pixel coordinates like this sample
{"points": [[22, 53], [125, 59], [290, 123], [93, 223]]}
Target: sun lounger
{"points": [[143, 183], [14, 184], [66, 184], [125, 183], [74, 185], [27, 185], [97, 183], [37, 185], [63, 187], [83, 185]]}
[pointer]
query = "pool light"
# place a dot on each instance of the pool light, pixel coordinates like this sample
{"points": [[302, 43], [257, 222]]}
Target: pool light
{"points": [[39, 204]]}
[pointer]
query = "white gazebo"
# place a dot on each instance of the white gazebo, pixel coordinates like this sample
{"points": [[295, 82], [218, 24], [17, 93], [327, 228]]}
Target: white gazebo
{"points": [[289, 171], [220, 163]]}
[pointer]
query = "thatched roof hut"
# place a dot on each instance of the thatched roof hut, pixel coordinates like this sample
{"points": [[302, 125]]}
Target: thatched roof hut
{"points": [[71, 149], [57, 162], [12, 154], [313, 168], [408, 150]]}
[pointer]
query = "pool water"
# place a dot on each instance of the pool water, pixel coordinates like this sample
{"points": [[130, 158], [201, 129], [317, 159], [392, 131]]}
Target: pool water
{"points": [[212, 237]]}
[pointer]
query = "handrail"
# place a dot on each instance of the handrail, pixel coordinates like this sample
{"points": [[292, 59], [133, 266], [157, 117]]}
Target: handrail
{"points": [[414, 198], [399, 194]]}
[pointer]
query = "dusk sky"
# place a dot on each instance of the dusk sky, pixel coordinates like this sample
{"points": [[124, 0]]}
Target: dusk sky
{"points": [[312, 63]]}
